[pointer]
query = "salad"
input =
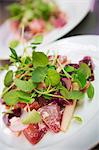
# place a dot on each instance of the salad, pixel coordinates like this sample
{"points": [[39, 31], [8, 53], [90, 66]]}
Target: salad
{"points": [[37, 16], [42, 93]]}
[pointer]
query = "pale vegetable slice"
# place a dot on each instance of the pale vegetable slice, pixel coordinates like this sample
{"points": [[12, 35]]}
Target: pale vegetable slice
{"points": [[68, 113], [16, 125], [67, 116], [31, 117]]}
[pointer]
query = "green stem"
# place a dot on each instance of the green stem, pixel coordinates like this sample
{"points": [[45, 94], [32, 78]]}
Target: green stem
{"points": [[45, 92], [48, 94], [8, 89], [55, 59], [57, 96], [26, 68], [49, 87], [67, 75], [22, 34], [24, 74]]}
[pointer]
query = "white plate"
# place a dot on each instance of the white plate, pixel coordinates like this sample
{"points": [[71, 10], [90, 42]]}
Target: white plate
{"points": [[78, 137], [76, 11]]}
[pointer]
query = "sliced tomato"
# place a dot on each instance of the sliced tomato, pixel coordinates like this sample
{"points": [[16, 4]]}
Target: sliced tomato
{"points": [[51, 116], [35, 132]]}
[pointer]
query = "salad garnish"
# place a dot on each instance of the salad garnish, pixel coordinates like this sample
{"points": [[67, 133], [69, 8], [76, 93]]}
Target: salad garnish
{"points": [[42, 93], [78, 119]]}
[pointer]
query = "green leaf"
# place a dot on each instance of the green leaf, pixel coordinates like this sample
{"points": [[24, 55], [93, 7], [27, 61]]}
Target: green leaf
{"points": [[14, 54], [5, 67], [13, 97], [32, 117], [69, 68], [85, 70], [28, 15], [90, 91], [8, 78], [14, 57], [74, 76], [14, 43], [14, 9], [38, 40], [78, 119], [26, 86], [33, 94], [33, 47], [59, 86], [47, 97], [26, 99], [53, 76], [52, 67], [19, 72], [64, 92], [76, 95], [82, 80], [47, 81], [27, 60], [39, 59], [39, 74], [83, 73]]}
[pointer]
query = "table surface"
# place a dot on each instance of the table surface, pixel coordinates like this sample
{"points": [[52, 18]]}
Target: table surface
{"points": [[90, 25]]}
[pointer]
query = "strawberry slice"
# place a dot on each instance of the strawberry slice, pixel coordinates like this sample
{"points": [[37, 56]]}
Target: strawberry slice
{"points": [[51, 116], [35, 132]]}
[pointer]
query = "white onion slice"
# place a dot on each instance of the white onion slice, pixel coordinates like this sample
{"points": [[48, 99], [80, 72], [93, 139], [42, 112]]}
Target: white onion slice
{"points": [[16, 124]]}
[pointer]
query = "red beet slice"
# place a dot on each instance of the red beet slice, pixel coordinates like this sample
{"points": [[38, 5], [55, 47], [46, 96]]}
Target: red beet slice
{"points": [[51, 116], [35, 132]]}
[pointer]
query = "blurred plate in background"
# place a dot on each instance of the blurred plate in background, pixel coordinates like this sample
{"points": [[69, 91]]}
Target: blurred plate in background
{"points": [[76, 10]]}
